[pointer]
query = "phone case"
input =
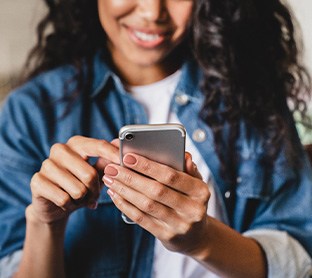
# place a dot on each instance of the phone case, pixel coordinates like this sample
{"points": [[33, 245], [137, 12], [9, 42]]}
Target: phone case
{"points": [[164, 143]]}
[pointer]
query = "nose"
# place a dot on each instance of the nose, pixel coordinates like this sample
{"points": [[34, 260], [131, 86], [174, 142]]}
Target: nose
{"points": [[153, 10]]}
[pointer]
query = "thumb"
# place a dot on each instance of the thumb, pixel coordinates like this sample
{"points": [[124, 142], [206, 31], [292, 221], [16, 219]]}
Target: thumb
{"points": [[191, 167]]}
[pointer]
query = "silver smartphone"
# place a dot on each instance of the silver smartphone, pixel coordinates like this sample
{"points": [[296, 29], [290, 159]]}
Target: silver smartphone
{"points": [[163, 143]]}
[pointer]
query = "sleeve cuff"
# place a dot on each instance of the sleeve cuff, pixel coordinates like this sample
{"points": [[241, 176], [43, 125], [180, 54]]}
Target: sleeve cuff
{"points": [[9, 264], [286, 258]]}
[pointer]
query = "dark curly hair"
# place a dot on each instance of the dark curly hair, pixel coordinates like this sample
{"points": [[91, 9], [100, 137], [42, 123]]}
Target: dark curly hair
{"points": [[252, 67], [246, 49]]}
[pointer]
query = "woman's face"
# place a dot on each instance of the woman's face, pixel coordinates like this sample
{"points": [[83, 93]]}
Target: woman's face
{"points": [[143, 32]]}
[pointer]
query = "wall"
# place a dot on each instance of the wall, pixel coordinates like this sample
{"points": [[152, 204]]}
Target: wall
{"points": [[18, 20], [302, 10]]}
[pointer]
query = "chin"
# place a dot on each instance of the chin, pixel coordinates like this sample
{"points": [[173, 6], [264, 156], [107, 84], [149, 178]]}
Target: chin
{"points": [[147, 62], [141, 59]]}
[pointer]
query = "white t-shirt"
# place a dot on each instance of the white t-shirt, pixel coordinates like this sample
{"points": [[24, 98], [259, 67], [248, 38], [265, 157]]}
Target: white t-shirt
{"points": [[156, 99]]}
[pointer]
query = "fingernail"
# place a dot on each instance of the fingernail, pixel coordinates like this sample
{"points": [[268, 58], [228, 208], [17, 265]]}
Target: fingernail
{"points": [[188, 155], [107, 180], [93, 205], [111, 171], [129, 159], [111, 193]]}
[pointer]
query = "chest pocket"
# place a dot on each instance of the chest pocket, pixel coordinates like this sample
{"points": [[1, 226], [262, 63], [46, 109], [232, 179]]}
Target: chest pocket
{"points": [[252, 181], [257, 182]]}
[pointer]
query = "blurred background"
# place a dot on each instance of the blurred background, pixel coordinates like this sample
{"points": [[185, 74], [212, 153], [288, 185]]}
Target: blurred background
{"points": [[18, 20]]}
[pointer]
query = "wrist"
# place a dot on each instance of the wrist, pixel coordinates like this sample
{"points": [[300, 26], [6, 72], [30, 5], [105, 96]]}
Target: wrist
{"points": [[35, 221], [43, 251], [204, 247]]}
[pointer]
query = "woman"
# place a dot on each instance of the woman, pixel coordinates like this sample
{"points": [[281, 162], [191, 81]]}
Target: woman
{"points": [[241, 209]]}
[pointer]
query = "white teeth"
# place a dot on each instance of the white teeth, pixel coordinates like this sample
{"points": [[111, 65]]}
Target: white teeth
{"points": [[146, 37]]}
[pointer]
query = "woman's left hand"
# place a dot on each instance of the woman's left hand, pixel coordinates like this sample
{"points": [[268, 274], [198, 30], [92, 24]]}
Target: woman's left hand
{"points": [[170, 204]]}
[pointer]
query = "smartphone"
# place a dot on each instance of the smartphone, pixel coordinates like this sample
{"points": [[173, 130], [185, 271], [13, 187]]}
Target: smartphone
{"points": [[163, 143]]}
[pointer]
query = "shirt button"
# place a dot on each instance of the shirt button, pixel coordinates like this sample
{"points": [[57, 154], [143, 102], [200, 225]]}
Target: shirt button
{"points": [[238, 179], [227, 194], [182, 99], [199, 135]]}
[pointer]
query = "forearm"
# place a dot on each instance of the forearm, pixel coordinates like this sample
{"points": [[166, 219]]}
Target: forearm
{"points": [[229, 254], [43, 252]]}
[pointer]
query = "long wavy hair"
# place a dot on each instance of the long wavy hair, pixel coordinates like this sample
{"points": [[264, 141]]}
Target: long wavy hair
{"points": [[246, 49], [252, 67]]}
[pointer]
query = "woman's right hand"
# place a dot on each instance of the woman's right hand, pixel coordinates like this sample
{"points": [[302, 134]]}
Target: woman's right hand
{"points": [[66, 181]]}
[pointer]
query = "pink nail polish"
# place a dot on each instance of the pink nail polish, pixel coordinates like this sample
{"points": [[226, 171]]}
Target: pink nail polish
{"points": [[111, 171], [93, 205], [129, 159]]}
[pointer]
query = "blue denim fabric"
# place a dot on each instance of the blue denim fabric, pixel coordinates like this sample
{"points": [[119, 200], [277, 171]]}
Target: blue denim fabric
{"points": [[98, 243]]}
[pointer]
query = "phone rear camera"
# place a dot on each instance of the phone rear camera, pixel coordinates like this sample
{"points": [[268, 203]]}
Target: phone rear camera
{"points": [[129, 136]]}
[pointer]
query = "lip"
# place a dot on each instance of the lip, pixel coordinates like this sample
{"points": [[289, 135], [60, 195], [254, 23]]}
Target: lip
{"points": [[147, 38]]}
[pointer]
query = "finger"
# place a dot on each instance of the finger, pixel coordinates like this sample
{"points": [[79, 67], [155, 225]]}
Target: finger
{"points": [[189, 164], [188, 156], [193, 187], [159, 229], [143, 202], [149, 187], [42, 187], [100, 164], [162, 173], [116, 142], [64, 180], [196, 172], [138, 192], [191, 168], [153, 196], [131, 211], [66, 158], [90, 147]]}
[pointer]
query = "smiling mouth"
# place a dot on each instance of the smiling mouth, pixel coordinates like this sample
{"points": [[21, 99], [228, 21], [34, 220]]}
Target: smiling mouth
{"points": [[146, 37]]}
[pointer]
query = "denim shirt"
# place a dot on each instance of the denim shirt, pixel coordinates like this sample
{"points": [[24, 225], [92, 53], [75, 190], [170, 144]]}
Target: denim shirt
{"points": [[97, 242]]}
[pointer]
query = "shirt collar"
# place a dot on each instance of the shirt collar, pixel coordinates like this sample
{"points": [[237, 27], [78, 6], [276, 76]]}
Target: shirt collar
{"points": [[188, 84], [190, 81], [102, 73]]}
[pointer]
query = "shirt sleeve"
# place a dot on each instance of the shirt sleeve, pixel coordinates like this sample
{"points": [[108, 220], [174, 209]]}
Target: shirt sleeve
{"points": [[21, 155], [286, 258], [9, 264]]}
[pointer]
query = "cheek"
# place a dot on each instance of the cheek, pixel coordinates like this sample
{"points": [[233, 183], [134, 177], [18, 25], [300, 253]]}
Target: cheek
{"points": [[110, 11], [115, 8], [181, 16]]}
